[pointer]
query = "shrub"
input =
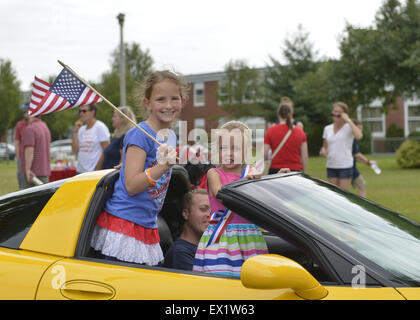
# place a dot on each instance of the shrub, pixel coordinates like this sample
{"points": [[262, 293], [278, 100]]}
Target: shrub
{"points": [[414, 134], [365, 143], [394, 131], [408, 154]]}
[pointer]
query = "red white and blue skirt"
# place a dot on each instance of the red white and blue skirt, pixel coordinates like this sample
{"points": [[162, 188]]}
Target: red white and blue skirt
{"points": [[126, 241]]}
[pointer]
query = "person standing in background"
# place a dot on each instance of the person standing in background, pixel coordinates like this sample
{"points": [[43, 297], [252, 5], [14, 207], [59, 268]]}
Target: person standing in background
{"points": [[358, 182], [337, 146], [287, 101], [294, 153], [36, 144], [90, 139], [113, 152], [19, 129]]}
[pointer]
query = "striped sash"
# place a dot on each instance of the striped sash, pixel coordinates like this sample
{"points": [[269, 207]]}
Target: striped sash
{"points": [[224, 217]]}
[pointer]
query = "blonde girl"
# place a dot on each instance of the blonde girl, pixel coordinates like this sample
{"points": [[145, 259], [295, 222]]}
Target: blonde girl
{"points": [[229, 239]]}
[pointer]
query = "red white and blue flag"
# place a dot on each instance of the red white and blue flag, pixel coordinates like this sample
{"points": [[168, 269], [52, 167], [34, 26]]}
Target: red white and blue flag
{"points": [[66, 92]]}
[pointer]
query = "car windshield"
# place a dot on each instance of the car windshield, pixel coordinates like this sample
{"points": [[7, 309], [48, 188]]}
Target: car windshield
{"points": [[382, 236]]}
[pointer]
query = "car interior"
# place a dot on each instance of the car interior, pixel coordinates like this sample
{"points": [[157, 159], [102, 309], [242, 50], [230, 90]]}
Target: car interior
{"points": [[170, 221], [15, 226]]}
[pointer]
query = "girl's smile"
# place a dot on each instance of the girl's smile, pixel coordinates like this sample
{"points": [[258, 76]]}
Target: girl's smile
{"points": [[231, 150], [164, 104]]}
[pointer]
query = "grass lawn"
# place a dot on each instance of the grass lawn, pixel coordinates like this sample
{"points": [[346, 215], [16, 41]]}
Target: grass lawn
{"points": [[394, 188], [8, 177]]}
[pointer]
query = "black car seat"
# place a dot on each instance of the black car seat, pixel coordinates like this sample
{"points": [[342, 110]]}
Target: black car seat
{"points": [[171, 211]]}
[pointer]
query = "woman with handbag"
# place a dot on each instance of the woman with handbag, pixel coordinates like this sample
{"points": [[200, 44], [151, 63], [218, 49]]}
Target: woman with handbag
{"points": [[290, 139]]}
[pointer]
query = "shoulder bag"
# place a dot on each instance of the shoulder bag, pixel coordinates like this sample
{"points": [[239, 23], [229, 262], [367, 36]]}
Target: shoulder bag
{"points": [[267, 163]]}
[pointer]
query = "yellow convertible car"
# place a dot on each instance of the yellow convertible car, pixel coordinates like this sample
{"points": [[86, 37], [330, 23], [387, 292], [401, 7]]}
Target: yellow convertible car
{"points": [[324, 243]]}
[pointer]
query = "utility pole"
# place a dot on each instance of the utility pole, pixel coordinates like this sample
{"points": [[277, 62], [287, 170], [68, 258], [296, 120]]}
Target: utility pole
{"points": [[123, 102]]}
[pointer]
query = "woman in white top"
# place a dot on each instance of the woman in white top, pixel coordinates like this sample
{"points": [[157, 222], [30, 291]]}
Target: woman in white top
{"points": [[337, 146], [90, 139]]}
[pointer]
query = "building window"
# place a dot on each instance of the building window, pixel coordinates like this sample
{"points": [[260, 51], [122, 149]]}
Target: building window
{"points": [[374, 119], [199, 94], [413, 118], [199, 123]]}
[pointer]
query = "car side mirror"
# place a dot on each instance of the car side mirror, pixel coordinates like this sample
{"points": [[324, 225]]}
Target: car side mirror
{"points": [[271, 271]]}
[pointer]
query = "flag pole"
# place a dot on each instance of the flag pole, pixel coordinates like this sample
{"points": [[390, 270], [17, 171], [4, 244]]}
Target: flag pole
{"points": [[107, 101]]}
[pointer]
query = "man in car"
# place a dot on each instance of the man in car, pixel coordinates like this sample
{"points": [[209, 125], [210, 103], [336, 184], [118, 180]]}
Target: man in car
{"points": [[196, 213]]}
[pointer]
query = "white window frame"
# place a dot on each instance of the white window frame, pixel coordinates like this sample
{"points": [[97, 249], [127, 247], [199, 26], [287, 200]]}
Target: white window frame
{"points": [[375, 104], [200, 126], [199, 86], [415, 101]]}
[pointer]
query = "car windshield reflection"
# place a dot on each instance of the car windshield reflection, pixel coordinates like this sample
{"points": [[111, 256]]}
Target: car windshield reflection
{"points": [[382, 236]]}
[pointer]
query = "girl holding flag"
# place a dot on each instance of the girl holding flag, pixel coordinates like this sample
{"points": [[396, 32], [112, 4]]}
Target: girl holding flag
{"points": [[127, 229], [229, 239]]}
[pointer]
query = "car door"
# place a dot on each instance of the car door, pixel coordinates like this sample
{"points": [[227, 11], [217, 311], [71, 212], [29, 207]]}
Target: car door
{"points": [[91, 279], [21, 272]]}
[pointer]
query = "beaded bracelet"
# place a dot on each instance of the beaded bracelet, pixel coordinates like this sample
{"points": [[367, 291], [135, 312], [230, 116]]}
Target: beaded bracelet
{"points": [[149, 177]]}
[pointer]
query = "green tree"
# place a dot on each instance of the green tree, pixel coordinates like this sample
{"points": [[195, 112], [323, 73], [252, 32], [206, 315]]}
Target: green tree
{"points": [[358, 76], [299, 58], [382, 61], [239, 90], [138, 64], [399, 36], [10, 96], [314, 91]]}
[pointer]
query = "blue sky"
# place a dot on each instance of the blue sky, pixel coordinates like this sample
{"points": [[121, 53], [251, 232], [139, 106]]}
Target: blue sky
{"points": [[185, 35]]}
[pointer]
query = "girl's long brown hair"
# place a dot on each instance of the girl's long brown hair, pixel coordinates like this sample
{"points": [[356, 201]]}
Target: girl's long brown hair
{"points": [[284, 112]]}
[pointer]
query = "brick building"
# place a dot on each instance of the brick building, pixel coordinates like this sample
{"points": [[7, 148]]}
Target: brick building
{"points": [[202, 109], [406, 116]]}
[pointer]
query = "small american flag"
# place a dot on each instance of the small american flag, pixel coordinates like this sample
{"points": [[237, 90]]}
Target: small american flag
{"points": [[66, 92]]}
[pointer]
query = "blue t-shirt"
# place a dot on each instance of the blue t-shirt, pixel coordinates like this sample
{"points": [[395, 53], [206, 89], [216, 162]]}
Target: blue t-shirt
{"points": [[112, 154], [355, 150], [143, 207], [180, 255]]}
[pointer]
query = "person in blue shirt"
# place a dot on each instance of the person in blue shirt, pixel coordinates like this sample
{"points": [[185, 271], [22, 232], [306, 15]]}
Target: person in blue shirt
{"points": [[113, 153], [196, 213], [127, 229]]}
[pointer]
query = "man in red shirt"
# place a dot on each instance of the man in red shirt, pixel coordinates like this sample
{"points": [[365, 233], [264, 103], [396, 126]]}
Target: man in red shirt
{"points": [[20, 127], [36, 144]]}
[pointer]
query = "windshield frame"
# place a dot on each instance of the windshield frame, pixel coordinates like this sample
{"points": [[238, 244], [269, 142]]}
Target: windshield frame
{"points": [[377, 272]]}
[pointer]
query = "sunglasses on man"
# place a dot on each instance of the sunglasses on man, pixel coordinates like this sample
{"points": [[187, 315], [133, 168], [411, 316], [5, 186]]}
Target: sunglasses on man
{"points": [[83, 110]]}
